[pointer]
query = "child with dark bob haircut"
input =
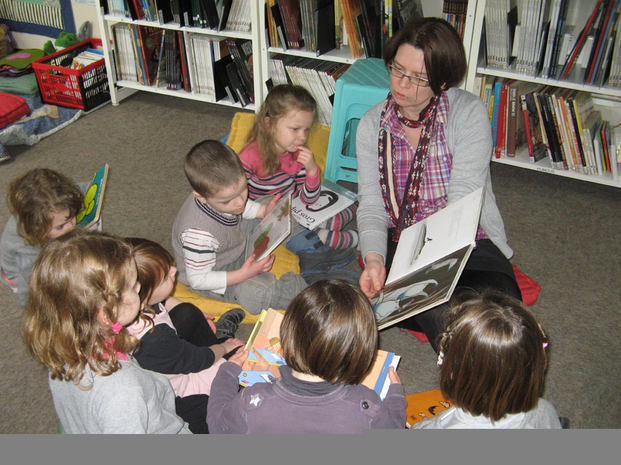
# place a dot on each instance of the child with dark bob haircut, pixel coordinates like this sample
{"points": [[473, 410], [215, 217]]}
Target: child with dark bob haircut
{"points": [[492, 360], [329, 340]]}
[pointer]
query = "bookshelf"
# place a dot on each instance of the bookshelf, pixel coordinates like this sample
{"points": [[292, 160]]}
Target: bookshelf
{"points": [[120, 89], [607, 99]]}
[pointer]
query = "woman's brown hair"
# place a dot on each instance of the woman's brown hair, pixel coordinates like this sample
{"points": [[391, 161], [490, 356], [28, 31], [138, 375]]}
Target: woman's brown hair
{"points": [[492, 355], [153, 263], [329, 331], [280, 100], [75, 277], [35, 195], [445, 57]]}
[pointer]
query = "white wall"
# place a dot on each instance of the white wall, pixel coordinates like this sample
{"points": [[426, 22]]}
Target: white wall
{"points": [[81, 12]]}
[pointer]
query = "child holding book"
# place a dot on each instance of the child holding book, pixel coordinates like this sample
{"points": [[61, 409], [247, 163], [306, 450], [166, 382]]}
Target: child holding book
{"points": [[329, 341], [84, 292], [176, 338], [492, 360], [44, 204], [276, 161], [209, 235]]}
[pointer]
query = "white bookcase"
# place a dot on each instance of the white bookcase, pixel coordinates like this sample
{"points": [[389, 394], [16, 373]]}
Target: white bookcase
{"points": [[122, 89], [607, 99]]}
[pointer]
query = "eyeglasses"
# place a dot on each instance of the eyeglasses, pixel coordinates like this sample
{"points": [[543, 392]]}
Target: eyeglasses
{"points": [[414, 80]]}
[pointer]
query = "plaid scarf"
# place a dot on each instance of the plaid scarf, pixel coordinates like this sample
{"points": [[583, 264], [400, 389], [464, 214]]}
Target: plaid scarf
{"points": [[404, 214]]}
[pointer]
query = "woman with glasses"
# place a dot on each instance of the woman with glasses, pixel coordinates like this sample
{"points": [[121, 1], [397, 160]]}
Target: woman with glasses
{"points": [[427, 145]]}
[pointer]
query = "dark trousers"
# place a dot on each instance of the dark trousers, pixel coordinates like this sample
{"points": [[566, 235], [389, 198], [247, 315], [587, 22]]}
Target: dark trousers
{"points": [[486, 269], [192, 326]]}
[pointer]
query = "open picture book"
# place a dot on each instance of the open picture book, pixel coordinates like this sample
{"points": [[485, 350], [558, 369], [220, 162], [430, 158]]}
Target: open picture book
{"points": [[265, 356], [332, 200], [429, 260], [271, 231], [93, 199]]}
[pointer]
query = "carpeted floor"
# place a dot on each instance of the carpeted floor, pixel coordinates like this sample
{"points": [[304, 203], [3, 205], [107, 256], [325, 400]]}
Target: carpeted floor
{"points": [[565, 235]]}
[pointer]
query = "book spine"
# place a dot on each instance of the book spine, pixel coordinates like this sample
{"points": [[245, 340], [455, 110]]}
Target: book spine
{"points": [[512, 120], [527, 129]]}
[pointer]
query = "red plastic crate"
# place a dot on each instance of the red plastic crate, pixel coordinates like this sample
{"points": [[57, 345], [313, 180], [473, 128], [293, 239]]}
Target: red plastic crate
{"points": [[83, 88]]}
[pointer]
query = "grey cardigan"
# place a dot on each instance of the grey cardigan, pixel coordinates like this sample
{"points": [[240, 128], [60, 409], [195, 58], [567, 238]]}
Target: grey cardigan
{"points": [[469, 139]]}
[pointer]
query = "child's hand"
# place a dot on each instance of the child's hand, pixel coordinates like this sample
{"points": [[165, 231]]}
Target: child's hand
{"points": [[210, 322], [240, 357], [393, 376], [265, 209], [306, 157], [252, 268]]}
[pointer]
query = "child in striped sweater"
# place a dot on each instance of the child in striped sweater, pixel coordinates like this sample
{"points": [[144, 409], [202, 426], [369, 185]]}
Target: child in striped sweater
{"points": [[276, 160]]}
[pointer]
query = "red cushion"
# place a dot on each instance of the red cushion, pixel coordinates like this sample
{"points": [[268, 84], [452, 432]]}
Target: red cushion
{"points": [[12, 108], [529, 287]]}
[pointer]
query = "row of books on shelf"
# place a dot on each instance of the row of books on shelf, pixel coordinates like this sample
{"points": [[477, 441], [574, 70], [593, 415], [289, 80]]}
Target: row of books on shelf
{"points": [[454, 11], [559, 124], [317, 76], [233, 15], [323, 25], [216, 66], [536, 40]]}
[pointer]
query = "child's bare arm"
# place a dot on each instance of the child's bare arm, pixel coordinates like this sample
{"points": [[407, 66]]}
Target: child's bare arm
{"points": [[220, 350]]}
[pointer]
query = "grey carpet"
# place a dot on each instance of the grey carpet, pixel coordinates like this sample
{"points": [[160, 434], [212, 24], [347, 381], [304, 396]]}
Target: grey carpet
{"points": [[564, 233]]}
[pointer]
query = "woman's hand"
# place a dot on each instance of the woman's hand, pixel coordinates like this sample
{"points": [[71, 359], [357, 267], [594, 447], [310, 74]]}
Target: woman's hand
{"points": [[306, 157], [374, 275]]}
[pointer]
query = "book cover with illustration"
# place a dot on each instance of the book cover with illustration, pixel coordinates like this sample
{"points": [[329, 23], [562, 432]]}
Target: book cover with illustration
{"points": [[271, 231], [265, 356], [93, 199], [425, 405], [332, 200], [263, 345], [429, 260]]}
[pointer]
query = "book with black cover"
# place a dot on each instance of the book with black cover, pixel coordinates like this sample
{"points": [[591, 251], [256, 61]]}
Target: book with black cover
{"points": [[236, 84], [325, 37], [224, 16], [241, 51], [221, 80]]}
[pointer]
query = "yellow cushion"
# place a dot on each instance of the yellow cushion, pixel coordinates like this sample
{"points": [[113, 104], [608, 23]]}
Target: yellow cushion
{"points": [[285, 259]]}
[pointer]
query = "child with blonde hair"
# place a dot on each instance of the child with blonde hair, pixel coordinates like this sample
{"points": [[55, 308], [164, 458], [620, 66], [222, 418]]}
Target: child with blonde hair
{"points": [[84, 292], [176, 338], [329, 341], [44, 204], [276, 159], [492, 359]]}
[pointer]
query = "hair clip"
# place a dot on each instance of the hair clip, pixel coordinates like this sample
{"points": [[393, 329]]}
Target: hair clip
{"points": [[117, 327], [440, 358], [545, 344]]}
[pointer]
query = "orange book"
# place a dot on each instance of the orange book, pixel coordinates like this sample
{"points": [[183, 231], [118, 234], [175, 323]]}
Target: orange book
{"points": [[425, 405]]}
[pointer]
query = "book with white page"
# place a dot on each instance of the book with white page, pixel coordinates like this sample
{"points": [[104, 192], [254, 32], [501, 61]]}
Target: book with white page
{"points": [[332, 200], [429, 260], [271, 231]]}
